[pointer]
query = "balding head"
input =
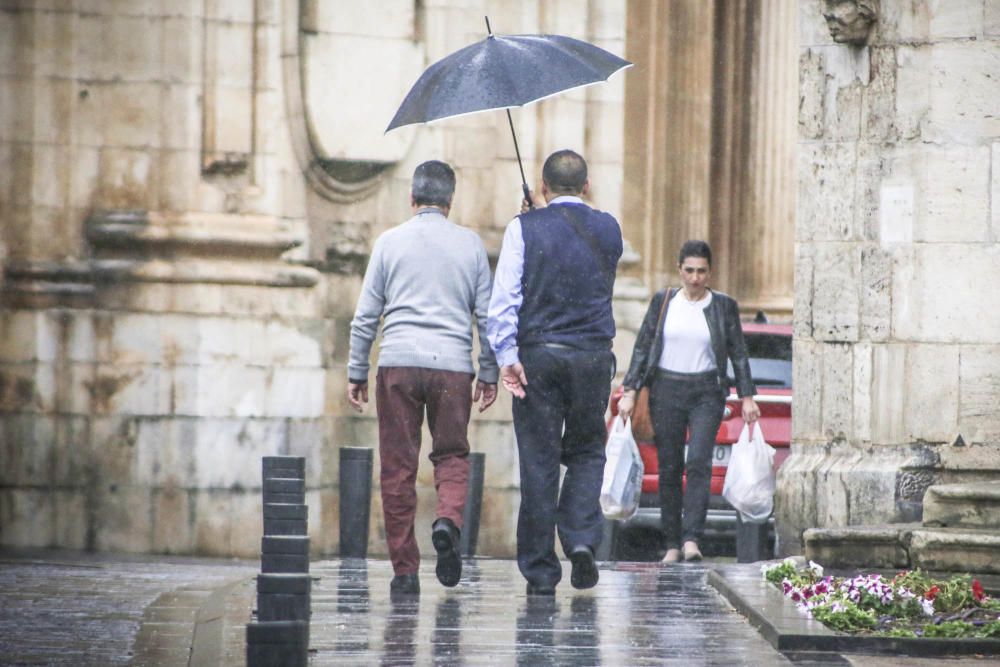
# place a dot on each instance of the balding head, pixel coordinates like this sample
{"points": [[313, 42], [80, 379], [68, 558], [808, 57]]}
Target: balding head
{"points": [[565, 173]]}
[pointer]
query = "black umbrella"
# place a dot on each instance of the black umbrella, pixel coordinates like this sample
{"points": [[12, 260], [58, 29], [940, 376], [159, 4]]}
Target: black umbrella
{"points": [[502, 72]]}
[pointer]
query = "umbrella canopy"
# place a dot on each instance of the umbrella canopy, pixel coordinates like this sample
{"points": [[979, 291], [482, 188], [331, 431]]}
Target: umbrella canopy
{"points": [[502, 72]]}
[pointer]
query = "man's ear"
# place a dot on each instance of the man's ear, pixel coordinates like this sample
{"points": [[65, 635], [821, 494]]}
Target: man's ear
{"points": [[586, 187]]}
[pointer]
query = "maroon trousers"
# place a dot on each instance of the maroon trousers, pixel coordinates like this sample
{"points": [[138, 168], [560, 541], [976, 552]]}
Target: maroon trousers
{"points": [[401, 395]]}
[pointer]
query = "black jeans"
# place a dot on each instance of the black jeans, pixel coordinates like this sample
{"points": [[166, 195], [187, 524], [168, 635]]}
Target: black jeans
{"points": [[680, 403], [560, 420]]}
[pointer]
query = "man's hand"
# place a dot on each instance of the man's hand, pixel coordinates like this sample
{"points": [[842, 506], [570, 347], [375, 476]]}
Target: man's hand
{"points": [[487, 391], [751, 411], [357, 394], [626, 404], [537, 201], [513, 379]]}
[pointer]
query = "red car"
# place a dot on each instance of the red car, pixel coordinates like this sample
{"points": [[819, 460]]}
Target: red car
{"points": [[770, 351]]}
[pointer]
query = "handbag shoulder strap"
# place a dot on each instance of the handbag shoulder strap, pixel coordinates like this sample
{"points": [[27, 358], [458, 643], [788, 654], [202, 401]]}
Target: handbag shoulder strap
{"points": [[587, 235]]}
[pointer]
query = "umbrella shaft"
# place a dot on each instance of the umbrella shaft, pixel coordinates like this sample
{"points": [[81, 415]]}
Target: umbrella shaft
{"points": [[517, 151]]}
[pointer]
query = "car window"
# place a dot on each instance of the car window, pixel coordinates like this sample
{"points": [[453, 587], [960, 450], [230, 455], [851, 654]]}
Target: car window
{"points": [[770, 360]]}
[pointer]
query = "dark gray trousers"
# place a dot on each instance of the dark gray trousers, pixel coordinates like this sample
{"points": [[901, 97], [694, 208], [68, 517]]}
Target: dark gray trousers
{"points": [[680, 404], [566, 388]]}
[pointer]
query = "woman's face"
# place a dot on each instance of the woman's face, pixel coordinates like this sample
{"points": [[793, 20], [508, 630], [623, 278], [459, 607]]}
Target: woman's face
{"points": [[695, 272]]}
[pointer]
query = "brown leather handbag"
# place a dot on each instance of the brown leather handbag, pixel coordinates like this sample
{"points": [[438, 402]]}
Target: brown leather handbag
{"points": [[642, 421]]}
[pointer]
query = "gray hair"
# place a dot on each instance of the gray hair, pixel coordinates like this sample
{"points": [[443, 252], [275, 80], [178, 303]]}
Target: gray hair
{"points": [[433, 184]]}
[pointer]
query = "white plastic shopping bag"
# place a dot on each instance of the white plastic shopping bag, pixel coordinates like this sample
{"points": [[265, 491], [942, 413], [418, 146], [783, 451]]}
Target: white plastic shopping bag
{"points": [[622, 473], [750, 477]]}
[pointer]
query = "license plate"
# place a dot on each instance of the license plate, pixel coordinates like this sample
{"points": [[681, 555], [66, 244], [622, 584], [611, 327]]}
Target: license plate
{"points": [[720, 455]]}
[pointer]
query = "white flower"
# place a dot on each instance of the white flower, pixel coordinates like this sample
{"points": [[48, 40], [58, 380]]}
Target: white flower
{"points": [[928, 606], [816, 568]]}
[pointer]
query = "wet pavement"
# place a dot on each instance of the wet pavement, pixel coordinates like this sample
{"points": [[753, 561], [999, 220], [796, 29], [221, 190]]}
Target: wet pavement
{"points": [[60, 608]]}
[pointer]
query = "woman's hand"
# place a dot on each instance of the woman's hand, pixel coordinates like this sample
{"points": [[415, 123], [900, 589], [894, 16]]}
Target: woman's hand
{"points": [[751, 411], [626, 404]]}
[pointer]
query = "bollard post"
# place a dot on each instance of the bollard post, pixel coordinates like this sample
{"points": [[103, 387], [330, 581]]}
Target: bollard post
{"points": [[355, 500], [751, 541], [473, 504]]}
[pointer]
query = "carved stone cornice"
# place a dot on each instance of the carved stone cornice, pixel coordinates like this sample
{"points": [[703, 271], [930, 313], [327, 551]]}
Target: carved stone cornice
{"points": [[135, 246]]}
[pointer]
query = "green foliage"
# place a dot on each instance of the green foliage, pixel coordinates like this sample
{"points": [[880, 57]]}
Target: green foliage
{"points": [[990, 630], [848, 617], [949, 629], [905, 633], [778, 573]]}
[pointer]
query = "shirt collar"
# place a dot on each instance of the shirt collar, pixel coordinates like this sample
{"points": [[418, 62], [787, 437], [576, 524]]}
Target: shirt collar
{"points": [[566, 199]]}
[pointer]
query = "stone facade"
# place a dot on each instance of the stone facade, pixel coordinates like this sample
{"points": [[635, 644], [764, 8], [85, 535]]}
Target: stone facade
{"points": [[189, 195], [897, 327]]}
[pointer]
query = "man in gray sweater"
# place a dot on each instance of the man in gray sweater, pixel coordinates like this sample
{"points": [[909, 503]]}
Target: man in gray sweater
{"points": [[426, 279]]}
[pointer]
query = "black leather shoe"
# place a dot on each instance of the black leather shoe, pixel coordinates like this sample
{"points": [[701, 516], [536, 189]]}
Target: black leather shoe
{"points": [[534, 589], [449, 565], [585, 574], [404, 584]]}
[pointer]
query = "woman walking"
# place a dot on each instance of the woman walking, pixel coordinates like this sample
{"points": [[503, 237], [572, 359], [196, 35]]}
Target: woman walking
{"points": [[680, 354]]}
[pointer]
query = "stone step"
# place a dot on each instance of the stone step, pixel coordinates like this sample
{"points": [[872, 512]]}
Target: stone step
{"points": [[971, 505], [898, 546]]}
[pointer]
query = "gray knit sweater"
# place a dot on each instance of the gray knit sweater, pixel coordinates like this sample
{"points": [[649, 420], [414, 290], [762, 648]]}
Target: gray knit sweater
{"points": [[426, 279]]}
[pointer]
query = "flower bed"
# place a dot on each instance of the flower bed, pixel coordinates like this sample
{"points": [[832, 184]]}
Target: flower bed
{"points": [[911, 604]]}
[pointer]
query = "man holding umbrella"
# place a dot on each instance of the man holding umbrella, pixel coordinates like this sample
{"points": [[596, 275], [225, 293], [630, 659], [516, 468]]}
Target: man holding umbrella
{"points": [[551, 326], [426, 279]]}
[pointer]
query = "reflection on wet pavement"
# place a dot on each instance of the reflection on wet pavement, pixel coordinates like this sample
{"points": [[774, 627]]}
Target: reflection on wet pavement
{"points": [[639, 614]]}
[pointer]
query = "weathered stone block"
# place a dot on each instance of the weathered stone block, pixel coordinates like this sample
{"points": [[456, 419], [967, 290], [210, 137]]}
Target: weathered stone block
{"points": [[973, 505], [825, 210], [172, 529], [995, 189], [888, 394], [861, 430], [808, 366], [876, 293], [27, 517], [860, 546], [123, 519], [979, 386], [919, 304], [931, 415], [953, 194], [956, 550], [991, 18], [836, 307], [964, 89], [838, 394]]}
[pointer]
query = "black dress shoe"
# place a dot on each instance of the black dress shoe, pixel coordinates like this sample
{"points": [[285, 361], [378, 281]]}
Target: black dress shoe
{"points": [[449, 565], [585, 574], [404, 584], [536, 589]]}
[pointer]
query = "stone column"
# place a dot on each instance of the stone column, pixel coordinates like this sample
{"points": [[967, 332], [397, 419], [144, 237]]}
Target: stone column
{"points": [[897, 323], [761, 253], [669, 133]]}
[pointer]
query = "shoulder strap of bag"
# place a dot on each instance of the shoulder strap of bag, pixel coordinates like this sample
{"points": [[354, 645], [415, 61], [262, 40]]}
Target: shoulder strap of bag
{"points": [[595, 248]]}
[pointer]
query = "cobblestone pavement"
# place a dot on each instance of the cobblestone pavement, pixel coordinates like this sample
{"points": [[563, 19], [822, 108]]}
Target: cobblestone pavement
{"points": [[62, 608], [73, 608]]}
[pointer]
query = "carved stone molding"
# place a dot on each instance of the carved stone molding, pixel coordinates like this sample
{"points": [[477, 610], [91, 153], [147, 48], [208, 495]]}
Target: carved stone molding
{"points": [[340, 181], [850, 21], [136, 246]]}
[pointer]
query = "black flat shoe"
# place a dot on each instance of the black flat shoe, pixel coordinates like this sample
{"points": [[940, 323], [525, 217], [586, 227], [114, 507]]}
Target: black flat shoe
{"points": [[404, 584], [445, 537], [540, 590], [585, 574]]}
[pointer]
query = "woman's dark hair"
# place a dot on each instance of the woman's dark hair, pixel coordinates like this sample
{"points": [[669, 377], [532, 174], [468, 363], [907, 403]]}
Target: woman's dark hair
{"points": [[694, 249], [433, 184]]}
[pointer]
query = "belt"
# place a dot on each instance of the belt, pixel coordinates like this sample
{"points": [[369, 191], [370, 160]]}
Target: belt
{"points": [[711, 375]]}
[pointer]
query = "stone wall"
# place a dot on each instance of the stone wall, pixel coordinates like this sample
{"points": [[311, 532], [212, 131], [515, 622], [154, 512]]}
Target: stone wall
{"points": [[190, 195], [897, 323]]}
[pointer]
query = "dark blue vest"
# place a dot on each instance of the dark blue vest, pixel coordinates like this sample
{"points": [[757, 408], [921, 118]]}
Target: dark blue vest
{"points": [[566, 287]]}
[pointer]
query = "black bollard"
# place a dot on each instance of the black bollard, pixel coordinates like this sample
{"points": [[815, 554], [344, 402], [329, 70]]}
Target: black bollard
{"points": [[278, 644], [473, 504], [355, 500]]}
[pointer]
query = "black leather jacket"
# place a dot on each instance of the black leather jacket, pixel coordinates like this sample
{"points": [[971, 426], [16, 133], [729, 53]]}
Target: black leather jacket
{"points": [[723, 316]]}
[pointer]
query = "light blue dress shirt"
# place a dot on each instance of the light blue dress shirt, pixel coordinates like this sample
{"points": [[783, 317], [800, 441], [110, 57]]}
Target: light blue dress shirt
{"points": [[505, 302]]}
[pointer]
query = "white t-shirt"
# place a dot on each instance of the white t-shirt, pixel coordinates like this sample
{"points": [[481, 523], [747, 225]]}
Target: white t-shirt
{"points": [[687, 343]]}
